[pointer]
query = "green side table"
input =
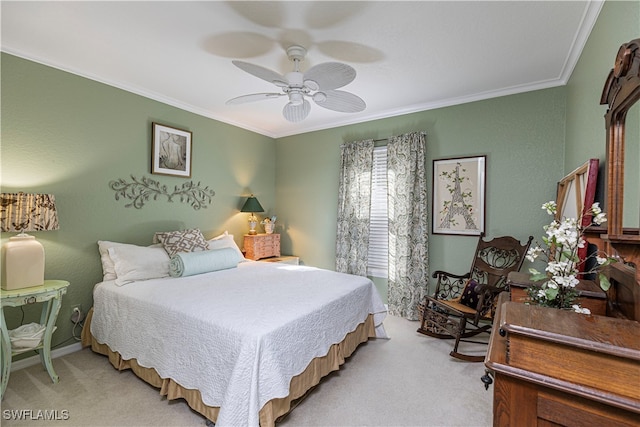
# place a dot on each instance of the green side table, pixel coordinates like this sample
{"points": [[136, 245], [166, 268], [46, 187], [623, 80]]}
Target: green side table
{"points": [[50, 293]]}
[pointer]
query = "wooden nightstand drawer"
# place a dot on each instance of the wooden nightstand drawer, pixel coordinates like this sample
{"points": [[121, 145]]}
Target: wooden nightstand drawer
{"points": [[260, 246]]}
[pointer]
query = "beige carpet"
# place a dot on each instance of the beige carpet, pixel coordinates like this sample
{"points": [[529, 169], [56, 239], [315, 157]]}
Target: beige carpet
{"points": [[408, 380]]}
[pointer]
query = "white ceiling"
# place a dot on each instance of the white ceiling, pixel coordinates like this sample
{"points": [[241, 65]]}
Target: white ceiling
{"points": [[409, 56]]}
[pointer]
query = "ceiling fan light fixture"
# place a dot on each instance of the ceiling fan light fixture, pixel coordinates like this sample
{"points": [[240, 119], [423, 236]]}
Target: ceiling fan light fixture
{"points": [[296, 113], [296, 98]]}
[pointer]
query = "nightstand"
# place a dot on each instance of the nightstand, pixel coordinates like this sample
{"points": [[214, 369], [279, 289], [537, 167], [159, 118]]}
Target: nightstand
{"points": [[283, 259], [258, 246], [50, 293]]}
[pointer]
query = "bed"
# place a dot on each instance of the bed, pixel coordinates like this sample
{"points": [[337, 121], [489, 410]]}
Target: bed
{"points": [[240, 344]]}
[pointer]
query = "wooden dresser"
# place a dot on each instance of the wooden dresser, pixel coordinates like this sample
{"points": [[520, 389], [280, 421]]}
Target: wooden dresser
{"points": [[556, 367], [258, 246]]}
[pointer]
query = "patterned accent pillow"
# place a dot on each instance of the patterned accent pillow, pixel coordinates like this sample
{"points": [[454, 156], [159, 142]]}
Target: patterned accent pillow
{"points": [[470, 297], [182, 241]]}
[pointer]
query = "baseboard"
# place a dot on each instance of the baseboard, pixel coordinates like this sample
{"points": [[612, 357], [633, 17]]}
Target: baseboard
{"points": [[35, 360]]}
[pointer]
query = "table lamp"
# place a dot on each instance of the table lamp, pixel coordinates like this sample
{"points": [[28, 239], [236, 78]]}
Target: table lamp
{"points": [[23, 255], [252, 205]]}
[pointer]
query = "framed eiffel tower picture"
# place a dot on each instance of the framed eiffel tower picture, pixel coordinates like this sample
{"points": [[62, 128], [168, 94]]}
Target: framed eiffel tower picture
{"points": [[459, 195]]}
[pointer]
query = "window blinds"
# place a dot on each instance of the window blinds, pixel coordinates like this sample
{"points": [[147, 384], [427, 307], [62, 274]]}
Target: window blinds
{"points": [[378, 260]]}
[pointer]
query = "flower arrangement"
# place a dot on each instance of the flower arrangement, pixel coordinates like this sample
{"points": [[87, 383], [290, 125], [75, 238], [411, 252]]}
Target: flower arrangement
{"points": [[563, 239]]}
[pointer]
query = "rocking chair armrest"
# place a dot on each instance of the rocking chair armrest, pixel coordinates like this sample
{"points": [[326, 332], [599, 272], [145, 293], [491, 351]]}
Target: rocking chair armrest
{"points": [[485, 291], [428, 299], [449, 285], [440, 273]]}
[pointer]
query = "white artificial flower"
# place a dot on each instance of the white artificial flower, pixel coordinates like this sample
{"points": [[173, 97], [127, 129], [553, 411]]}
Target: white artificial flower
{"points": [[601, 260], [550, 207], [581, 310], [534, 253], [557, 267], [569, 281], [600, 218], [581, 242]]}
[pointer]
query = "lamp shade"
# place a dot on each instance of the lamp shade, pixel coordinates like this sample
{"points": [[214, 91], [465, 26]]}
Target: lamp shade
{"points": [[252, 205], [28, 212]]}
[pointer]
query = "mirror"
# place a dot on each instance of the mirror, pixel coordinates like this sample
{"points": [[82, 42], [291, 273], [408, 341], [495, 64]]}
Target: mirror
{"points": [[631, 207]]}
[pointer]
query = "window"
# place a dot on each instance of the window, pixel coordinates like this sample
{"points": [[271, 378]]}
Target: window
{"points": [[378, 264]]}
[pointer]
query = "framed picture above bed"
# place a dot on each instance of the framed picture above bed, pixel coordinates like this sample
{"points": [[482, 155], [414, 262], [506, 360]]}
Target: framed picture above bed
{"points": [[171, 151], [459, 195]]}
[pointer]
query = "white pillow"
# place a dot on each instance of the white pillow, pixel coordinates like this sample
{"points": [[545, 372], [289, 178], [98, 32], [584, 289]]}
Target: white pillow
{"points": [[133, 262], [108, 269], [225, 240]]}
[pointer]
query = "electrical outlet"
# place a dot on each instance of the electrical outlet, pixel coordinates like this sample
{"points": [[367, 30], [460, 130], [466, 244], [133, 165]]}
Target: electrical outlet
{"points": [[77, 315]]}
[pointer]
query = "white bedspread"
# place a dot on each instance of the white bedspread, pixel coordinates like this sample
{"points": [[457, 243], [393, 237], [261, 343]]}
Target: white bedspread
{"points": [[237, 335]]}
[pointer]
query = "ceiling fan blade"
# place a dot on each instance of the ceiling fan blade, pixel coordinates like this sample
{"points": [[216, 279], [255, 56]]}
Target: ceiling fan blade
{"points": [[296, 113], [261, 72], [253, 97], [331, 75], [339, 100]]}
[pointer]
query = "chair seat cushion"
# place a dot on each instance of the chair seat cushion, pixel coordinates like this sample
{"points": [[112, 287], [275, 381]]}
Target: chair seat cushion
{"points": [[469, 295], [456, 306]]}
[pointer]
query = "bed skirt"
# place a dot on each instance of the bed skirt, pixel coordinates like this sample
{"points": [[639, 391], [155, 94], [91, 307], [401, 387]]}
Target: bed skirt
{"points": [[273, 409]]}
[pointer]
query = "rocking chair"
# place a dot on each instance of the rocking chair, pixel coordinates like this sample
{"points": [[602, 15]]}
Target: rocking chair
{"points": [[463, 305]]}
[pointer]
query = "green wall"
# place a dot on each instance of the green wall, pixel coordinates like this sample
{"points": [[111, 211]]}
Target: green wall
{"points": [[618, 23], [70, 136]]}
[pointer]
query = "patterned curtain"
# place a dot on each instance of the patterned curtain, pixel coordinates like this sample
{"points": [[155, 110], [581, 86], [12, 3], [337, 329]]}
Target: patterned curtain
{"points": [[354, 203], [408, 224]]}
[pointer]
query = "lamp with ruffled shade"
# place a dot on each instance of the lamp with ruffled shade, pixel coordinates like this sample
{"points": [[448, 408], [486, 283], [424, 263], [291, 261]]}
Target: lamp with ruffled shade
{"points": [[23, 255]]}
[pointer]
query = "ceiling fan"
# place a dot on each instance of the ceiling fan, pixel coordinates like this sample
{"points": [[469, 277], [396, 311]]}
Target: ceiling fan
{"points": [[319, 83]]}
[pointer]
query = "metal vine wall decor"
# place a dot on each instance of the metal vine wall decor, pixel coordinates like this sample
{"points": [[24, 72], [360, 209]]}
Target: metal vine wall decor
{"points": [[140, 191]]}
